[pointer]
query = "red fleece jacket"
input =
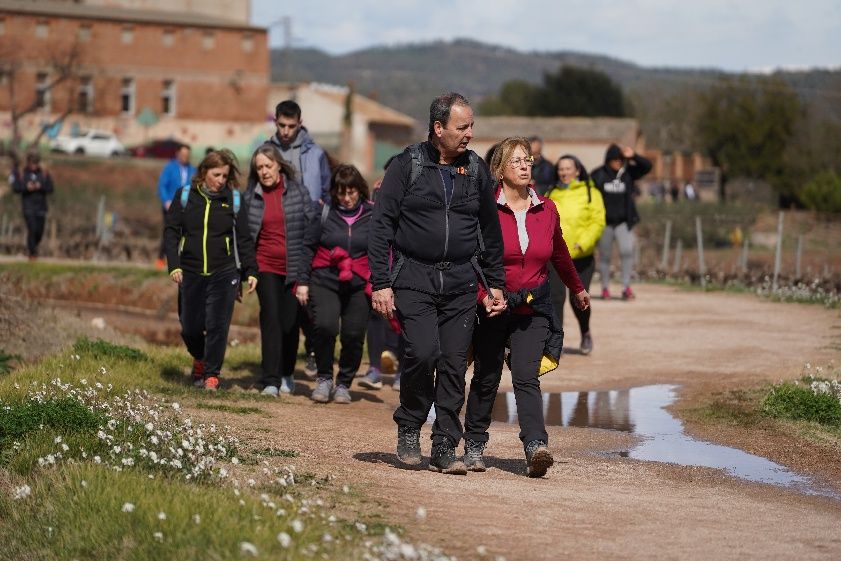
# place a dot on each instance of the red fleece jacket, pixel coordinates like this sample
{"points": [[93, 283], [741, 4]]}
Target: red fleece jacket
{"points": [[546, 243]]}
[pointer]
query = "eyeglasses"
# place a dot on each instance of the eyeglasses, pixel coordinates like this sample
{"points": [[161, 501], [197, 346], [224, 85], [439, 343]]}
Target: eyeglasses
{"points": [[517, 162]]}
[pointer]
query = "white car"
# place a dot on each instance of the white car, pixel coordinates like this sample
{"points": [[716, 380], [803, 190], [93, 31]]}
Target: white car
{"points": [[93, 142]]}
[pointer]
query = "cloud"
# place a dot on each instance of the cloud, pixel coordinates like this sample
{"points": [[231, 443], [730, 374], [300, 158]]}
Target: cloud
{"points": [[714, 33]]}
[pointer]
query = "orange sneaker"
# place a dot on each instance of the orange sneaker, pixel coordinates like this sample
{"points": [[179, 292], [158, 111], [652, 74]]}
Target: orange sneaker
{"points": [[197, 373], [211, 383], [160, 264]]}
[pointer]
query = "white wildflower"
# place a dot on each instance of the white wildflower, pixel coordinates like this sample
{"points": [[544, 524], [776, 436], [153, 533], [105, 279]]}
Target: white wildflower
{"points": [[235, 460], [128, 507], [196, 519], [284, 539], [297, 526], [159, 536], [162, 515], [57, 440], [345, 489], [482, 550], [22, 492], [248, 548], [420, 514], [361, 527]]}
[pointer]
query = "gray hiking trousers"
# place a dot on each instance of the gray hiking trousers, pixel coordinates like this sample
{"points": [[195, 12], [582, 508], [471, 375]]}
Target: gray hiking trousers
{"points": [[626, 240]]}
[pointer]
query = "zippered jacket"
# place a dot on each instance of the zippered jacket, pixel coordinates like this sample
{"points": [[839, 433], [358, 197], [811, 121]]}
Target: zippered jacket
{"points": [[314, 167], [171, 180], [336, 233], [34, 202], [298, 211], [617, 189], [200, 237], [434, 241], [546, 245], [582, 216]]}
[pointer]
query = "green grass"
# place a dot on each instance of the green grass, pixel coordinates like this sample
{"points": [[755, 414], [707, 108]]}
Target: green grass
{"points": [[100, 350], [276, 453], [6, 361], [42, 271], [228, 408], [77, 513], [799, 403]]}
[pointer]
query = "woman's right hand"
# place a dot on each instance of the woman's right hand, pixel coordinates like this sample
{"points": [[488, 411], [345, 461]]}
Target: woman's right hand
{"points": [[302, 293], [176, 277]]}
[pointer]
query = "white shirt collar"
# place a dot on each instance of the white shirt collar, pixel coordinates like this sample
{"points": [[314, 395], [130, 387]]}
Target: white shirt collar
{"points": [[535, 200]]}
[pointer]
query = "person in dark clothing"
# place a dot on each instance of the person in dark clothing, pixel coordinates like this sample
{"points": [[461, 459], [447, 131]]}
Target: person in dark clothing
{"points": [[279, 211], [33, 183], [532, 236], [543, 172], [615, 180], [209, 251], [335, 282], [436, 212]]}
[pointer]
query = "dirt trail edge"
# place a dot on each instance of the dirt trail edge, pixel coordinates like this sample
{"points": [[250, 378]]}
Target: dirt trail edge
{"points": [[596, 506]]}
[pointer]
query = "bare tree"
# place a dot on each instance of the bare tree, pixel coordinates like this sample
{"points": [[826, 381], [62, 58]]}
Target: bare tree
{"points": [[64, 63]]}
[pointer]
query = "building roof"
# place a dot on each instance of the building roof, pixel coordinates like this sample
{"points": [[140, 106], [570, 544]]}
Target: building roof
{"points": [[373, 111], [596, 129], [48, 8]]}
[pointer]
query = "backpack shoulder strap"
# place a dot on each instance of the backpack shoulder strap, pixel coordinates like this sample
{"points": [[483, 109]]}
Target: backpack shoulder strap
{"points": [[418, 161], [237, 202], [325, 210]]}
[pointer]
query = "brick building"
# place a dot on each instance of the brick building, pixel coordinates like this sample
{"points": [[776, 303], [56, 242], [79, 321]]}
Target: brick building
{"points": [[196, 71]]}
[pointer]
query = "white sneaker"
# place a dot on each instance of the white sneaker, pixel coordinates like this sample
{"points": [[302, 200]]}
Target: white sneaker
{"points": [[270, 390], [287, 384]]}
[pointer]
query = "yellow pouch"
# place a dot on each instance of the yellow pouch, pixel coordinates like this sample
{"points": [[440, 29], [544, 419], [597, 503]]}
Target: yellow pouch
{"points": [[547, 365]]}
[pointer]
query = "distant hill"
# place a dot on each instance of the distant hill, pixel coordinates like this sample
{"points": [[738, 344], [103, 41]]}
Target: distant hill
{"points": [[407, 77]]}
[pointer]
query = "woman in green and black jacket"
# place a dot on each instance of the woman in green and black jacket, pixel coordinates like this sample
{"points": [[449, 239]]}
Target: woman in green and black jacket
{"points": [[209, 251]]}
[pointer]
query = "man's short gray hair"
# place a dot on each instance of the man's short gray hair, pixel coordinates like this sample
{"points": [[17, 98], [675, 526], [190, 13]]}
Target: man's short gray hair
{"points": [[441, 106]]}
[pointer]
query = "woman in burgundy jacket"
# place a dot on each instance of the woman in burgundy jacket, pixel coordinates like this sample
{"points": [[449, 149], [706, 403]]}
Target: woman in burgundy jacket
{"points": [[532, 238]]}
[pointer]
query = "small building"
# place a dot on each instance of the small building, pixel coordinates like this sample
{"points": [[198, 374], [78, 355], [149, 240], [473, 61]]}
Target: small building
{"points": [[366, 138], [143, 69]]}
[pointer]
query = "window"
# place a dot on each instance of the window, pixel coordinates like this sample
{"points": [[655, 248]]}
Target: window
{"points": [[127, 35], [168, 98], [247, 42], [85, 97], [42, 91], [84, 33], [168, 38], [208, 40], [127, 96], [42, 30]]}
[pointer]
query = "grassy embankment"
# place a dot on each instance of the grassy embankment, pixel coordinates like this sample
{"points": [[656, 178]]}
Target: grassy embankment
{"points": [[107, 453]]}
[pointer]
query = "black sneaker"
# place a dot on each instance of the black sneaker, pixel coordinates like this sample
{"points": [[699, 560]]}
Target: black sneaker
{"points": [[538, 458], [444, 460], [473, 451], [408, 445]]}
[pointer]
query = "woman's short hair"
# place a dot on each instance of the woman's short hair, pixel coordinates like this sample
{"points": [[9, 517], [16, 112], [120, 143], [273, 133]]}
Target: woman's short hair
{"points": [[579, 167], [271, 152], [346, 176], [504, 151], [217, 159]]}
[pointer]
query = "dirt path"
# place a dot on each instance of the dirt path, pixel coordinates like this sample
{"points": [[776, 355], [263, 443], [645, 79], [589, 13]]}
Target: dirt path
{"points": [[592, 506]]}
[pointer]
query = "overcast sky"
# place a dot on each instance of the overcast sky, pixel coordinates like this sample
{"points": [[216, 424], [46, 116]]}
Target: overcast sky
{"points": [[727, 34]]}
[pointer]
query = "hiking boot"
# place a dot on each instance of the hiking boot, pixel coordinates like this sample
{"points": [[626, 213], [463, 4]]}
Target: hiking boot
{"points": [[388, 362], [271, 391], [341, 395], [628, 294], [605, 294], [586, 344], [372, 379], [473, 451], [323, 388], [408, 445], [444, 460], [287, 384], [538, 458], [197, 373], [310, 368], [211, 383], [396, 384]]}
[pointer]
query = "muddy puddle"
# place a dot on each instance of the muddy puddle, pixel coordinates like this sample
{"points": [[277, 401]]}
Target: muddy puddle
{"points": [[642, 412]]}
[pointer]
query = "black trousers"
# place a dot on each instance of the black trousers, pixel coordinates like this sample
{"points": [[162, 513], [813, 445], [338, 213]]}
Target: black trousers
{"points": [[341, 313], [34, 232], [527, 335], [381, 338], [585, 266], [436, 334], [205, 307], [278, 328]]}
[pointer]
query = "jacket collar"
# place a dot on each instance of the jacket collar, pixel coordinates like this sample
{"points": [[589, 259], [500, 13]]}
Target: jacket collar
{"points": [[500, 198], [435, 156]]}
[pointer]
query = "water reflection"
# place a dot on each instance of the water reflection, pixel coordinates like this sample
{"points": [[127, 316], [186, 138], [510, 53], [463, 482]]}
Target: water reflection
{"points": [[642, 411]]}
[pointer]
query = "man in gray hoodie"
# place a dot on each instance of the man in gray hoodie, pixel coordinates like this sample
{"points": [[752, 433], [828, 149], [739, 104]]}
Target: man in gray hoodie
{"points": [[299, 149]]}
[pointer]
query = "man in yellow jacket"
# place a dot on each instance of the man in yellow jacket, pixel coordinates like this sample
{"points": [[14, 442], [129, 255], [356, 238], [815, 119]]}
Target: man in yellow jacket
{"points": [[582, 213]]}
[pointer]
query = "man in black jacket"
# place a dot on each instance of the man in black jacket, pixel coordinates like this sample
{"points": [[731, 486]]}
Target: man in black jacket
{"points": [[436, 230], [543, 171], [33, 183], [615, 179]]}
